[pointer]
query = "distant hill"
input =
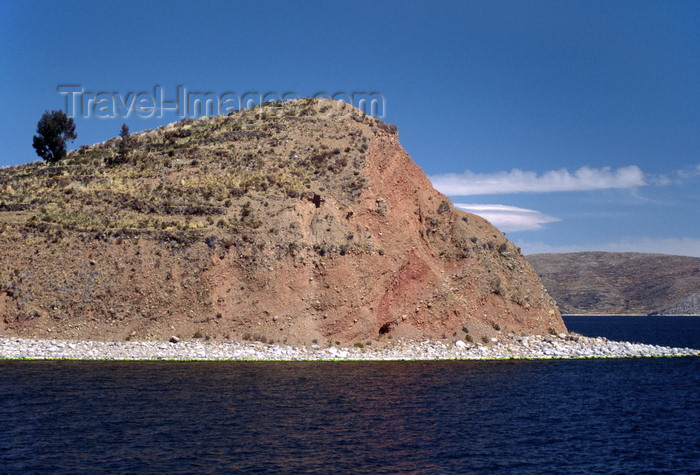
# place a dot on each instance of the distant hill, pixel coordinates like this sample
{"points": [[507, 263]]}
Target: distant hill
{"points": [[621, 283], [300, 222]]}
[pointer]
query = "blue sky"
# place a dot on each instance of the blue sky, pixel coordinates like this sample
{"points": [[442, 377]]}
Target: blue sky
{"points": [[571, 125]]}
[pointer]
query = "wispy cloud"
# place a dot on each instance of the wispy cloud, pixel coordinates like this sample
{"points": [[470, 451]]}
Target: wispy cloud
{"points": [[519, 181], [677, 177], [509, 218], [683, 246]]}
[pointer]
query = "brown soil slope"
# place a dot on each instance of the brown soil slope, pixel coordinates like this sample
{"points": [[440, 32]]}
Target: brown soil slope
{"points": [[307, 221], [620, 283]]}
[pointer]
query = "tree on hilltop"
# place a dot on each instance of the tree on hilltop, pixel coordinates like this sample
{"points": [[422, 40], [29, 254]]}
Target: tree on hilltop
{"points": [[53, 130], [124, 144]]}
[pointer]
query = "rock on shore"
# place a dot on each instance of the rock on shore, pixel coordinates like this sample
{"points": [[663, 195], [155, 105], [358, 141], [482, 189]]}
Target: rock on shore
{"points": [[513, 347]]}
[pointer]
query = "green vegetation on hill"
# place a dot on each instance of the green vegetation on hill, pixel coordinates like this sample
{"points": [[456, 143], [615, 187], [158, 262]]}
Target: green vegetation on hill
{"points": [[53, 130], [193, 178]]}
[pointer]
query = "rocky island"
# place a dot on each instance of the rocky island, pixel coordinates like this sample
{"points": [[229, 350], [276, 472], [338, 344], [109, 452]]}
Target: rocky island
{"points": [[289, 223], [296, 230]]}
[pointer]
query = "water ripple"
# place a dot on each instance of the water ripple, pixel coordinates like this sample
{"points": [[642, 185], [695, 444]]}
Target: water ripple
{"points": [[590, 416]]}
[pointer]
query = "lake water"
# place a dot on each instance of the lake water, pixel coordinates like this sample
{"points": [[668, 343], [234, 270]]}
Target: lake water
{"points": [[681, 332], [580, 416]]}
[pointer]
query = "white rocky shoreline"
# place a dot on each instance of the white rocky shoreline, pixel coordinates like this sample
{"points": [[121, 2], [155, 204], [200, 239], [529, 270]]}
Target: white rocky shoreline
{"points": [[562, 346]]}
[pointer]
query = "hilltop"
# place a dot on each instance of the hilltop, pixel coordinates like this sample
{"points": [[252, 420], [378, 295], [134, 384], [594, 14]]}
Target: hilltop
{"points": [[297, 222], [621, 283]]}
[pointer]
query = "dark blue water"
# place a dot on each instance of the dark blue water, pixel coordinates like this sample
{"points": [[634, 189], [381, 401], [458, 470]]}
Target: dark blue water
{"points": [[580, 416], [680, 332]]}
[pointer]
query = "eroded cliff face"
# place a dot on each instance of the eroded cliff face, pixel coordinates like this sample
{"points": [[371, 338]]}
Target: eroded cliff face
{"points": [[349, 242]]}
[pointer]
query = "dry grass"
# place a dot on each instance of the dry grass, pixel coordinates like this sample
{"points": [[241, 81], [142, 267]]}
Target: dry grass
{"points": [[193, 178]]}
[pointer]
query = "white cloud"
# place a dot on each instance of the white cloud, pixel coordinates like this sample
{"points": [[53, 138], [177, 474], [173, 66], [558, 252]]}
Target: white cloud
{"points": [[678, 177], [676, 246], [509, 218], [519, 181]]}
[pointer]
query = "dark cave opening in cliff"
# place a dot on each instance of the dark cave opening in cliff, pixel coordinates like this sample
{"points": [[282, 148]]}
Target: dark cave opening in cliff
{"points": [[384, 329]]}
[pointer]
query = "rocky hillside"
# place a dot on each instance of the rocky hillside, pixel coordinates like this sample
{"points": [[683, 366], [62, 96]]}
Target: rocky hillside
{"points": [[621, 283], [299, 222]]}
